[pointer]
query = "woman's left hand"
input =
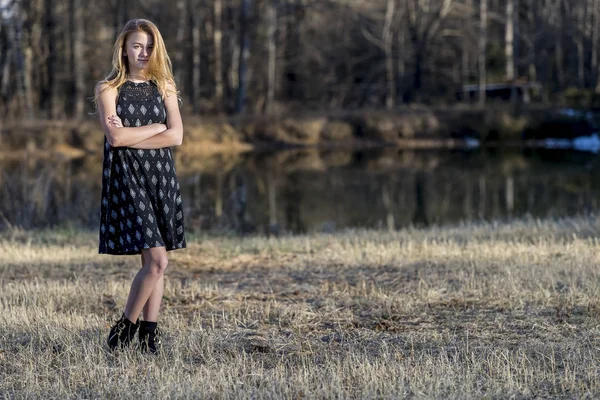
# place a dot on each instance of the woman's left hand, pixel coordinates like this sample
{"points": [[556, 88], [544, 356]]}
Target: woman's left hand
{"points": [[115, 121]]}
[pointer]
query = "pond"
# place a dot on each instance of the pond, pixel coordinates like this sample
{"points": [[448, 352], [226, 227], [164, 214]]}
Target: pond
{"points": [[322, 190]]}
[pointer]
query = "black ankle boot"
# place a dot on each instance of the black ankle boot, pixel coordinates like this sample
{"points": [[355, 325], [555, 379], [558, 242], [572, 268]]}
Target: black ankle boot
{"points": [[122, 333], [149, 336]]}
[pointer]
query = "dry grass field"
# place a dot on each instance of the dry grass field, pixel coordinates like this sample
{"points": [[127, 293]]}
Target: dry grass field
{"points": [[478, 311]]}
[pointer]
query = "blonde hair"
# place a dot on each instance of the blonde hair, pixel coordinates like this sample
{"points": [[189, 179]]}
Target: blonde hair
{"points": [[159, 69]]}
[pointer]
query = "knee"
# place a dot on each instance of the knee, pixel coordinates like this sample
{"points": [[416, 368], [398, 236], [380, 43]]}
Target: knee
{"points": [[158, 266]]}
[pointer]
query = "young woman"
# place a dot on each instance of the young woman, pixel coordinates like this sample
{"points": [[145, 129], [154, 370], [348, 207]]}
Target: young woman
{"points": [[141, 208]]}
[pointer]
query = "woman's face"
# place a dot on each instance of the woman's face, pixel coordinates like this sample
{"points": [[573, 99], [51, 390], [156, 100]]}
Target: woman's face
{"points": [[138, 47]]}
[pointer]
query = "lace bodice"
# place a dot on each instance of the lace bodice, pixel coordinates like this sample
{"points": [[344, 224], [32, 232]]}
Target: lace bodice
{"points": [[140, 104]]}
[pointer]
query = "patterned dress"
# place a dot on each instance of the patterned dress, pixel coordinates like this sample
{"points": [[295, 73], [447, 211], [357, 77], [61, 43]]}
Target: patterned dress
{"points": [[141, 200]]}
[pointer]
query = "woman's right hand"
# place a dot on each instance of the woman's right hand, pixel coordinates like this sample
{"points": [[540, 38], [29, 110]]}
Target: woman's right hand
{"points": [[161, 128]]}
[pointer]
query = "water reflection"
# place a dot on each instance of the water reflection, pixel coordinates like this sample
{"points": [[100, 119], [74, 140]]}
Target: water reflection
{"points": [[322, 190]]}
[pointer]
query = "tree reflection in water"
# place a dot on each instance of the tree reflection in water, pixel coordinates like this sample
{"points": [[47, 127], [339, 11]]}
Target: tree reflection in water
{"points": [[299, 191]]}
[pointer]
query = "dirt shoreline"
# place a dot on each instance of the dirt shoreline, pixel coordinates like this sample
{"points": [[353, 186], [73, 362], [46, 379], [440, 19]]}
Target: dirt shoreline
{"points": [[406, 129]]}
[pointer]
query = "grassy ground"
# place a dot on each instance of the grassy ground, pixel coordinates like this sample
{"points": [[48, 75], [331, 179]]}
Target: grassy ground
{"points": [[492, 311]]}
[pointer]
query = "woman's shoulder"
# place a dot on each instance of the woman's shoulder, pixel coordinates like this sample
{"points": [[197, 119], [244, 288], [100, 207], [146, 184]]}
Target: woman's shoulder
{"points": [[169, 89], [104, 87]]}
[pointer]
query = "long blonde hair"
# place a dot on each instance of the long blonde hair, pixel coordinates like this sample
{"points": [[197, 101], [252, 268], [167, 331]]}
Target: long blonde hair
{"points": [[159, 70]]}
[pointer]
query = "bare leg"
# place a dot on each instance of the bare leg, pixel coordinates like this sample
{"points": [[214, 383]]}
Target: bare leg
{"points": [[152, 306], [154, 264]]}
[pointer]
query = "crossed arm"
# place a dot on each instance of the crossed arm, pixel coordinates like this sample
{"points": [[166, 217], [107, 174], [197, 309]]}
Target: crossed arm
{"points": [[152, 136]]}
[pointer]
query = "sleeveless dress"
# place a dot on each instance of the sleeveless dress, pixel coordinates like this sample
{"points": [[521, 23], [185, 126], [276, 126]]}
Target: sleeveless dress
{"points": [[141, 203]]}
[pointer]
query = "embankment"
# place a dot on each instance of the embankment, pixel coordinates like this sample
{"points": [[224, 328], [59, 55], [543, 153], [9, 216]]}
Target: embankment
{"points": [[407, 127]]}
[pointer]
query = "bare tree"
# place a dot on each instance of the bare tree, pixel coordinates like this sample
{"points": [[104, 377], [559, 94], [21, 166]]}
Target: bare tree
{"points": [[579, 11], [195, 19], [22, 59], [271, 16], [7, 34], [389, 57], [425, 18], [483, 17], [530, 40], [595, 65], [218, 52], [556, 19], [51, 8], [76, 25], [244, 55], [510, 40], [305, 54], [180, 36], [468, 36]]}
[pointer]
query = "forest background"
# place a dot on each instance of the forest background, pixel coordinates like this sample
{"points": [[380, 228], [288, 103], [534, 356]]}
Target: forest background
{"points": [[258, 57]]}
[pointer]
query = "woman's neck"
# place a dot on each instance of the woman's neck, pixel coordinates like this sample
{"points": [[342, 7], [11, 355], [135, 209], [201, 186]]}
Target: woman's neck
{"points": [[136, 77]]}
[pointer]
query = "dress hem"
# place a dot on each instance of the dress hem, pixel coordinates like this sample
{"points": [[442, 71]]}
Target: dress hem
{"points": [[133, 253]]}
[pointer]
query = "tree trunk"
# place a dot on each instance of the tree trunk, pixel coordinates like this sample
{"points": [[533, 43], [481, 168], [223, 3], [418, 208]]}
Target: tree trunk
{"points": [[121, 16], [51, 95], [5, 64], [418, 71], [195, 26], [596, 44], [579, 40], [3, 59], [272, 52], [22, 64], [389, 57], [217, 39], [77, 58], [180, 37], [243, 56], [595, 41], [467, 37], [232, 63], [401, 63], [509, 40], [483, 16], [580, 63], [560, 72], [533, 75]]}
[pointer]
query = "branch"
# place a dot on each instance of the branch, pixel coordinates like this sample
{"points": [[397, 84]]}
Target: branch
{"points": [[374, 40], [435, 23]]}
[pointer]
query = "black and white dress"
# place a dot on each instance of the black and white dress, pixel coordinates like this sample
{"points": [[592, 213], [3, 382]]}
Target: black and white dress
{"points": [[141, 199]]}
